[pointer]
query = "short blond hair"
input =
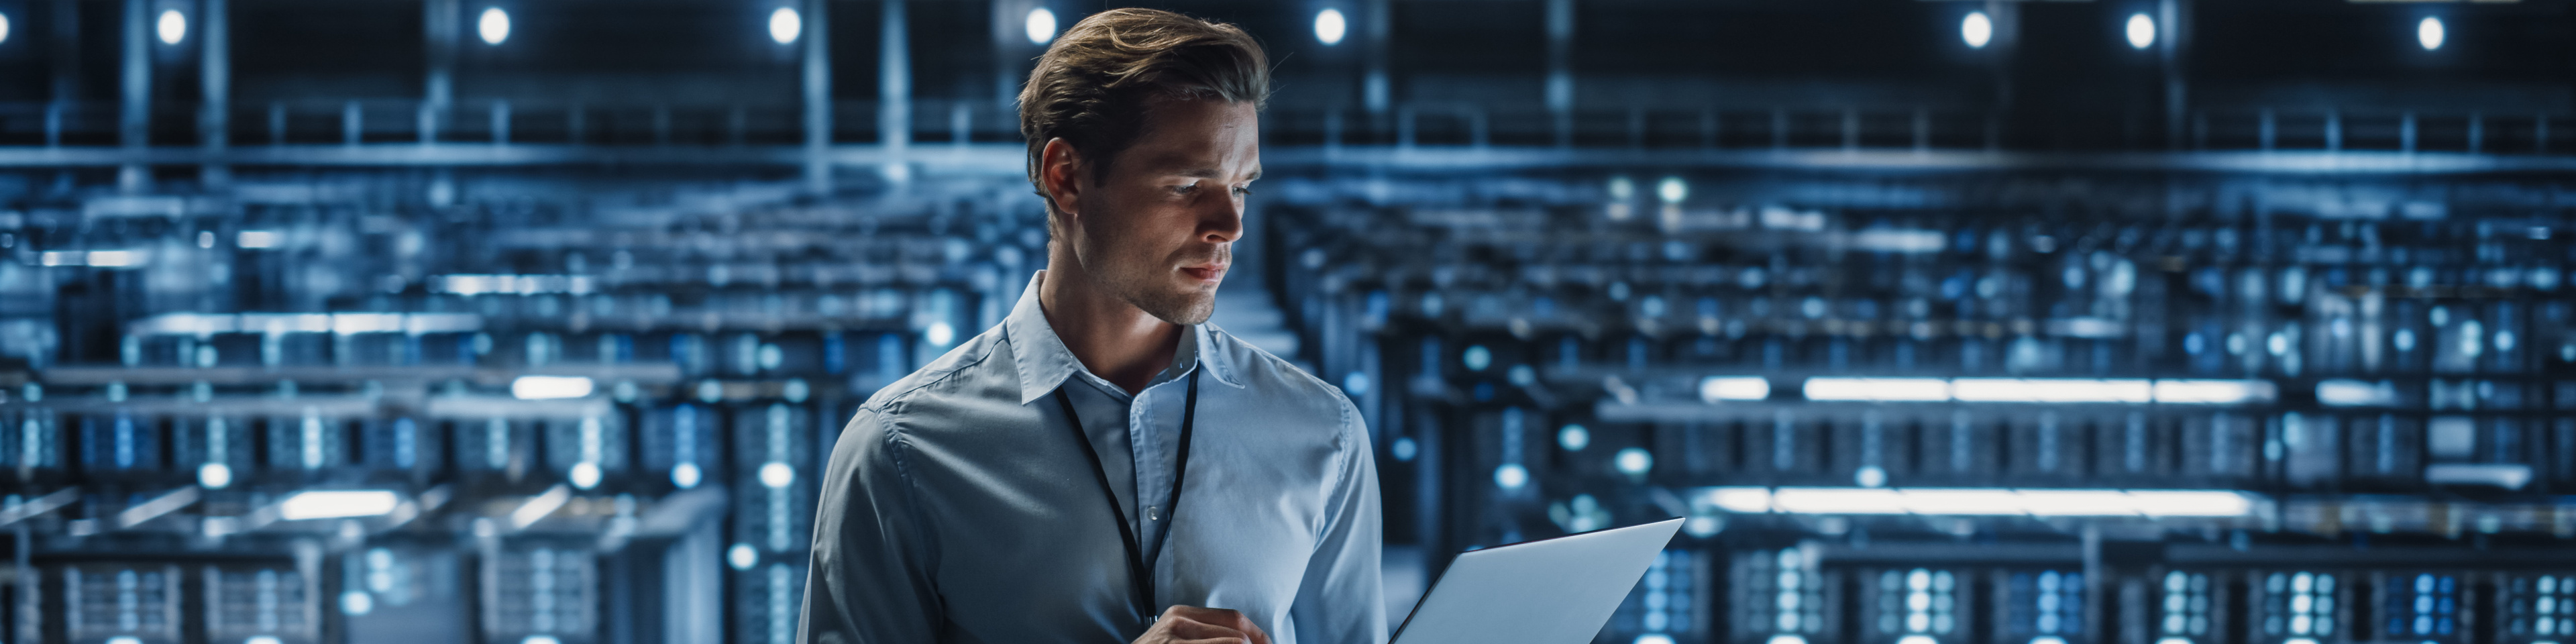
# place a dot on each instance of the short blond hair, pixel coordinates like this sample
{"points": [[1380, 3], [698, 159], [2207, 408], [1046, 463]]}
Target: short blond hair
{"points": [[1092, 86]]}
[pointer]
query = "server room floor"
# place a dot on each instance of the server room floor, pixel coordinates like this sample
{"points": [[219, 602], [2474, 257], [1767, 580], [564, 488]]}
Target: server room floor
{"points": [[1933, 408]]}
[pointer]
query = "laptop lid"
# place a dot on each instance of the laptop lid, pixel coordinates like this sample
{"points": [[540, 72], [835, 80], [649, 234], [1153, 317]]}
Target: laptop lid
{"points": [[1550, 591]]}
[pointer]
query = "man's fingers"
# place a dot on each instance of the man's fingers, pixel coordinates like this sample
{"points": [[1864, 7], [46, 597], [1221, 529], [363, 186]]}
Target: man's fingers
{"points": [[1204, 614], [1184, 628], [1250, 630], [1234, 621]]}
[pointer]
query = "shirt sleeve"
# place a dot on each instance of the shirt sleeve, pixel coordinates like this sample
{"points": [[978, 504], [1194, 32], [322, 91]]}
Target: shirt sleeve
{"points": [[870, 582], [1342, 600]]}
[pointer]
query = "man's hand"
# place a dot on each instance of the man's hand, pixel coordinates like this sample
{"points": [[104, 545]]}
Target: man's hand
{"points": [[1195, 625]]}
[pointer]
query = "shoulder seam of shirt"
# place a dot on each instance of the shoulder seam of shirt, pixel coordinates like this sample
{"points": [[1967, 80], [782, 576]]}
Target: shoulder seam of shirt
{"points": [[897, 450], [891, 401], [889, 415], [1345, 443], [1231, 341]]}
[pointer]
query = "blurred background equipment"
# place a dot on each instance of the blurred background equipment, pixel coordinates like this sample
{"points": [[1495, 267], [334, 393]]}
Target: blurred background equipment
{"points": [[2095, 322]]}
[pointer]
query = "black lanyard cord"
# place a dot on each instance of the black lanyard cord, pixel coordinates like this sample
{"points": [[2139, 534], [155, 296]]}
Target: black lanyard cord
{"points": [[1138, 569]]}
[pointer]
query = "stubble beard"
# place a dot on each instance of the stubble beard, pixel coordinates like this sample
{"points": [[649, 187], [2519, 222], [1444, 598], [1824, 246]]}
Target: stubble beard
{"points": [[1147, 285]]}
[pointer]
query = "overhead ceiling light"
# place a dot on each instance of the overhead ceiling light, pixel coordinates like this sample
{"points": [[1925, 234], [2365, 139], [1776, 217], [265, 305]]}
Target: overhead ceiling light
{"points": [[1041, 26], [493, 26], [2430, 33], [1977, 29], [2142, 31], [171, 27], [784, 25], [1672, 189], [1330, 26], [337, 504], [4, 27]]}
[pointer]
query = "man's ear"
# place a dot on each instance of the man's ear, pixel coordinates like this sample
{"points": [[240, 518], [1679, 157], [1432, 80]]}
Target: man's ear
{"points": [[1060, 168]]}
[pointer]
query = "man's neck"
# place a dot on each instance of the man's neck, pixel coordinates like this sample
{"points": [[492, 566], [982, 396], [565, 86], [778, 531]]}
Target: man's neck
{"points": [[1112, 338]]}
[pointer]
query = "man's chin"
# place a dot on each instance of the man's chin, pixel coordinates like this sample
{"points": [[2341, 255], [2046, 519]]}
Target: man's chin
{"points": [[1184, 307]]}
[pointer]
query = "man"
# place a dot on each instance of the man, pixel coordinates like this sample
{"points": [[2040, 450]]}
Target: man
{"points": [[1103, 466]]}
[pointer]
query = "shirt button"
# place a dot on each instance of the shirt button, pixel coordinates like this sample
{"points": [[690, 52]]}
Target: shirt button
{"points": [[1153, 513]]}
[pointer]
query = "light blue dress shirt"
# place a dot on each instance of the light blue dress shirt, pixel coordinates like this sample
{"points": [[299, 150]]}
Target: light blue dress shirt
{"points": [[958, 508]]}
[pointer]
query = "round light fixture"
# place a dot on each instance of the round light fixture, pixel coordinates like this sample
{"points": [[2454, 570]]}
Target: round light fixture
{"points": [[1041, 26], [785, 25], [357, 602], [777, 475], [1977, 29], [493, 25], [1633, 461], [2430, 33], [1330, 26], [1672, 189], [171, 27], [1573, 438], [2142, 31], [215, 476]]}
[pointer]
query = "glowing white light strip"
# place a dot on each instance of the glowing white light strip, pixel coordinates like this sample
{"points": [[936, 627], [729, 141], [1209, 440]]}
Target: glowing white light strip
{"points": [[1837, 500], [1717, 388], [2050, 390], [98, 258], [1962, 501], [2214, 392], [513, 284], [201, 324], [537, 507], [337, 504], [1895, 240], [1980, 501], [549, 387], [1879, 389], [2342, 392], [2039, 390]]}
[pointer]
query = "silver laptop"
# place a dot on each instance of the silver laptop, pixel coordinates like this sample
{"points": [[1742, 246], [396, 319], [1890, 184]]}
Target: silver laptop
{"points": [[1550, 591]]}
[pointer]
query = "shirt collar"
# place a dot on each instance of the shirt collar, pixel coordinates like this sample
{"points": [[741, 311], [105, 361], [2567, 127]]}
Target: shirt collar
{"points": [[1043, 362]]}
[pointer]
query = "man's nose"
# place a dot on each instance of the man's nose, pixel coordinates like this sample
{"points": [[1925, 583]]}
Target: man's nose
{"points": [[1221, 220]]}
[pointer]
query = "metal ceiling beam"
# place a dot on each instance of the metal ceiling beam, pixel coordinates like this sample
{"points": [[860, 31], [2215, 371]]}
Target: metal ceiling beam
{"points": [[1006, 158]]}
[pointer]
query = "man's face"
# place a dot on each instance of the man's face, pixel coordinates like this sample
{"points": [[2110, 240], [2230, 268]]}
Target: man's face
{"points": [[1158, 229]]}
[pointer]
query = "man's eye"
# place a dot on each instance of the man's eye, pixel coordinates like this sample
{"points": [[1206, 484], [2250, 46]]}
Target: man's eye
{"points": [[1242, 190], [1185, 188]]}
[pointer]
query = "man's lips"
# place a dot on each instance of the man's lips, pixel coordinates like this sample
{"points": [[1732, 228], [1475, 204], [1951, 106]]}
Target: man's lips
{"points": [[1206, 273]]}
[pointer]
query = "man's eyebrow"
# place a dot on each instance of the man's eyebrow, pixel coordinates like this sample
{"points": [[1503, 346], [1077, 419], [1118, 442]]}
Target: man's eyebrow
{"points": [[1211, 173]]}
